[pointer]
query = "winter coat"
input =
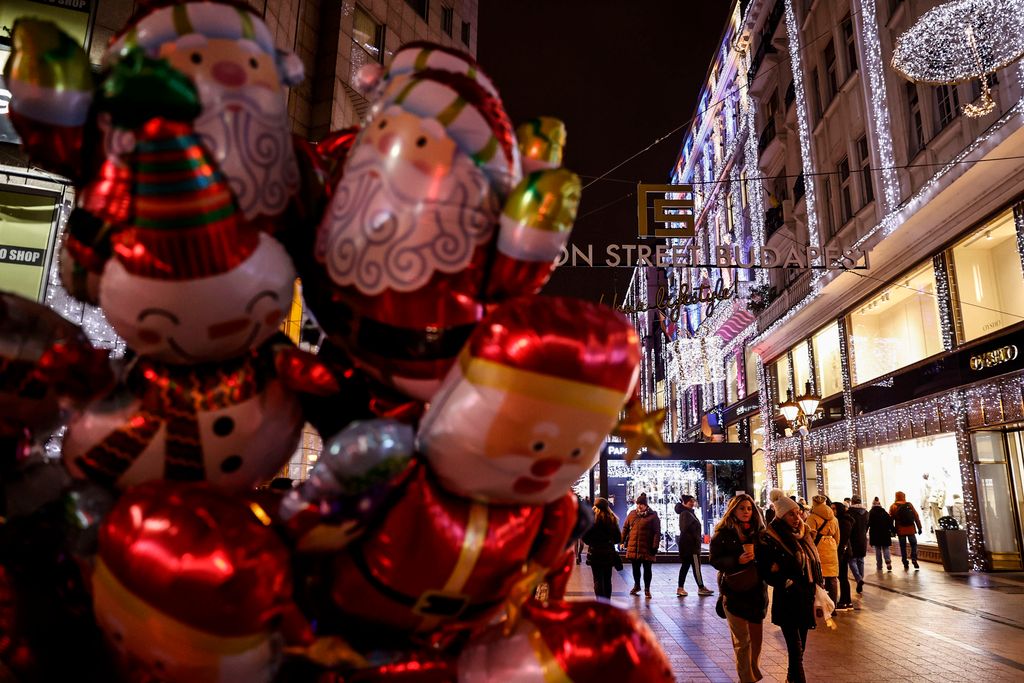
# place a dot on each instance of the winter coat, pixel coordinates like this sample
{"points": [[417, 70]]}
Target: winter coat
{"points": [[845, 523], [905, 529], [782, 558], [859, 535], [641, 535], [726, 548], [689, 530], [601, 539], [880, 527], [824, 520]]}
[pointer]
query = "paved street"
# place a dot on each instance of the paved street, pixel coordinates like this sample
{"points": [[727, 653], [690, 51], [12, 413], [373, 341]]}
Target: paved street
{"points": [[923, 626]]}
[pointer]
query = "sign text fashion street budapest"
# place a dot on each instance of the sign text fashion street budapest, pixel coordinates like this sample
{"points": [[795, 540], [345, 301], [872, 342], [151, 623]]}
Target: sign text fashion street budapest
{"points": [[690, 256]]}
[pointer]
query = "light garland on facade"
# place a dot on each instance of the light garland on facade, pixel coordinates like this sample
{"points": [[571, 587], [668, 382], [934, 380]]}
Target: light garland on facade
{"points": [[848, 417], [767, 408], [969, 485], [1018, 223], [803, 126], [961, 40], [879, 110], [945, 301]]}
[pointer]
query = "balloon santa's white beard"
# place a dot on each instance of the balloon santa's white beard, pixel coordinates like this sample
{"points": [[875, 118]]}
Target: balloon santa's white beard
{"points": [[391, 226], [248, 133]]}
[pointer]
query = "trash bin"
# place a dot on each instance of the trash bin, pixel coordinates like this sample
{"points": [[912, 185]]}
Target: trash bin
{"points": [[953, 548]]}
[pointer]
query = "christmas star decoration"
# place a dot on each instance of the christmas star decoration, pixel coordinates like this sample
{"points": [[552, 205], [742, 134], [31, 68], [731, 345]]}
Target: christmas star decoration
{"points": [[640, 429]]}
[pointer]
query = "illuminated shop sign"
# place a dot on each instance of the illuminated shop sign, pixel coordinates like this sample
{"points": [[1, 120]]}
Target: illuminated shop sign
{"points": [[989, 359]]}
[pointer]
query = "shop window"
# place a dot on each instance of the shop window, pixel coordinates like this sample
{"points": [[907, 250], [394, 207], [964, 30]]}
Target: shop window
{"points": [[779, 371], [927, 470], [750, 371], [732, 433], [828, 361], [757, 460], [810, 477], [801, 367], [989, 281], [732, 382], [26, 227], [896, 328], [994, 499], [838, 483], [72, 17], [787, 478]]}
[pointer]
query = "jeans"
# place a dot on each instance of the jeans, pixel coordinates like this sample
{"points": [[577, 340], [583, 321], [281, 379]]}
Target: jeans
{"points": [[796, 641], [857, 568], [832, 588], [686, 562], [648, 573], [844, 582], [913, 548], [602, 581], [746, 642], [879, 551]]}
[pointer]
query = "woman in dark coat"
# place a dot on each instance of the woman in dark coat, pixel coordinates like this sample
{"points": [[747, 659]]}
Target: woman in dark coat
{"points": [[641, 535], [880, 533], [744, 597], [845, 522], [602, 555], [788, 561]]}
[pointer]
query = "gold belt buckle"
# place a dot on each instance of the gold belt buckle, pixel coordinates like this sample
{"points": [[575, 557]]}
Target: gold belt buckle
{"points": [[440, 604]]}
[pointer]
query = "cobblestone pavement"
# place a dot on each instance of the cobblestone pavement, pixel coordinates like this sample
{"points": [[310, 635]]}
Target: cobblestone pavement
{"points": [[910, 626]]}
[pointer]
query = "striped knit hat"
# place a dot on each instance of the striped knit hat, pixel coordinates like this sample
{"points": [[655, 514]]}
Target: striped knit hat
{"points": [[184, 222], [432, 81]]}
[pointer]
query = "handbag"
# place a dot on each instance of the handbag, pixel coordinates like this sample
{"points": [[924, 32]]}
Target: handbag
{"points": [[743, 580]]}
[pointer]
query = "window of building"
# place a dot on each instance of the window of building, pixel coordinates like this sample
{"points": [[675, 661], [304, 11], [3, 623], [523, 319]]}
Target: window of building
{"points": [[948, 104], [916, 120], [750, 371], [819, 107], [845, 190], [991, 79], [828, 365], [993, 468], [422, 8], [368, 34], [927, 470], [786, 474], [989, 281], [732, 380], [838, 481], [867, 188], [896, 328], [465, 33], [801, 367], [851, 45], [757, 461], [830, 214], [447, 20], [831, 71], [779, 371]]}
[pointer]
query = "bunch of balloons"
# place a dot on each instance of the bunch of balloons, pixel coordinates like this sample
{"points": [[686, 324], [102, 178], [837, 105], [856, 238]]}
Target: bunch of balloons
{"points": [[457, 406]]}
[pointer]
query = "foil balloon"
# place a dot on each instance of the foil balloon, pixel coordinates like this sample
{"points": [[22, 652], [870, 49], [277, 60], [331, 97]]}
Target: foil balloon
{"points": [[46, 364], [433, 221], [189, 586], [481, 513]]}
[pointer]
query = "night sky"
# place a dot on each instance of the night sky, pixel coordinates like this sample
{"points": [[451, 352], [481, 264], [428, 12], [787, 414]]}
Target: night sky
{"points": [[620, 74]]}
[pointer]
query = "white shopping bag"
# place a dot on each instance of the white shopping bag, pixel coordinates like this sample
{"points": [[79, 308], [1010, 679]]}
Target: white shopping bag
{"points": [[823, 607]]}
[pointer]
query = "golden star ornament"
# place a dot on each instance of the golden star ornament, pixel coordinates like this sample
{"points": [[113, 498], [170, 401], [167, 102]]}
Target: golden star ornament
{"points": [[640, 429]]}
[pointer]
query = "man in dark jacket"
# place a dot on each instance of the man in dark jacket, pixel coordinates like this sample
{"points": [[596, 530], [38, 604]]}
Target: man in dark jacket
{"points": [[689, 546], [858, 541], [845, 523]]}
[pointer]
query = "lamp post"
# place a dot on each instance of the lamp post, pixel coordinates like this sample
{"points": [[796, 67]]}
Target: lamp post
{"points": [[798, 415]]}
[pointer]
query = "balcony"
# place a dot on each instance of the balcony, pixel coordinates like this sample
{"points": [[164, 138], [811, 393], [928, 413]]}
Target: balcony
{"points": [[773, 220], [766, 137], [798, 188], [791, 296], [765, 46]]}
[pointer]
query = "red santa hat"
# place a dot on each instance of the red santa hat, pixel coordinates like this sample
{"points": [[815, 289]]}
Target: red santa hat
{"points": [[197, 556], [184, 223], [557, 349]]}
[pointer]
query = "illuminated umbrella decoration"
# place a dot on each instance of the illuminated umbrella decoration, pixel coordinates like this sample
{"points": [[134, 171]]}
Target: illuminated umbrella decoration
{"points": [[960, 41]]}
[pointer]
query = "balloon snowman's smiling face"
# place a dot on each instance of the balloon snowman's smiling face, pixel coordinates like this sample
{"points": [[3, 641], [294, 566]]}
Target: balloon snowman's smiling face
{"points": [[201, 319]]}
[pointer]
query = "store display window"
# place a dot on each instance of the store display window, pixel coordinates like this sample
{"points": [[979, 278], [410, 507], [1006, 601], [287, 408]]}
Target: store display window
{"points": [[828, 362], [787, 478], [711, 482], [989, 280], [927, 470], [897, 327], [838, 482], [779, 370], [801, 367], [758, 462], [732, 379], [994, 501], [750, 371]]}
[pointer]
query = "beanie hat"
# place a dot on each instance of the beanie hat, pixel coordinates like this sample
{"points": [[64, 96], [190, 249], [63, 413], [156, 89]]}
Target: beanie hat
{"points": [[781, 502], [687, 498], [162, 23], [447, 86], [184, 223], [641, 499], [556, 349], [819, 499], [195, 555]]}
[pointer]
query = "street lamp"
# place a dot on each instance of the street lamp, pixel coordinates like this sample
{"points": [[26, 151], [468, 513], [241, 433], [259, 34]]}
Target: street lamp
{"points": [[798, 415]]}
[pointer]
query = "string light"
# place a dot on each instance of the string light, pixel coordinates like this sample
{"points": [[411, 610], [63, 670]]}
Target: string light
{"points": [[848, 422], [880, 123]]}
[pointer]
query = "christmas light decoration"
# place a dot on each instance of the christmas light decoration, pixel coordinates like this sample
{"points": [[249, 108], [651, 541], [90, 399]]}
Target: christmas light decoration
{"points": [[848, 423], [879, 111], [944, 301]]}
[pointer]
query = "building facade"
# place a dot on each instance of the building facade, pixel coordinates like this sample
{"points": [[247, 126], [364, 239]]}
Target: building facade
{"points": [[333, 39], [807, 142]]}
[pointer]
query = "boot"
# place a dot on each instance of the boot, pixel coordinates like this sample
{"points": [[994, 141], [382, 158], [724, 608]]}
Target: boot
{"points": [[635, 591]]}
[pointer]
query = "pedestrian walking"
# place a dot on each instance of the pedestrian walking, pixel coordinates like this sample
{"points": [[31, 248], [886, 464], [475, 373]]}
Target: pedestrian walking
{"points": [[689, 546], [641, 534], [845, 523], [743, 593], [601, 539], [880, 534], [822, 521], [584, 503], [907, 521], [858, 541], [787, 560]]}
